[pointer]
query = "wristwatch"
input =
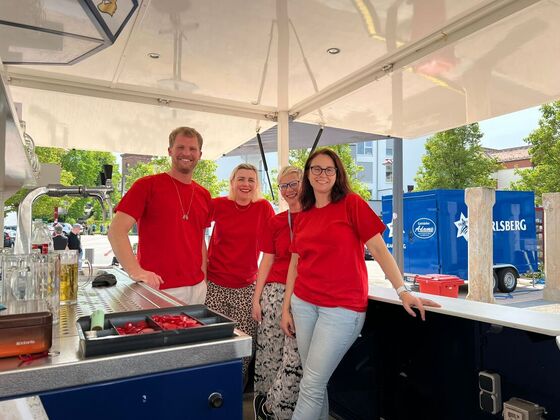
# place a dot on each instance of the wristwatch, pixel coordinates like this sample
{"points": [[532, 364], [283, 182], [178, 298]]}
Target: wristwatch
{"points": [[402, 289]]}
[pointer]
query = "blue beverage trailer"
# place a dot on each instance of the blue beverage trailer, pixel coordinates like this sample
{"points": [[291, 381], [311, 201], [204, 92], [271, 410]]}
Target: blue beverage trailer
{"points": [[436, 234]]}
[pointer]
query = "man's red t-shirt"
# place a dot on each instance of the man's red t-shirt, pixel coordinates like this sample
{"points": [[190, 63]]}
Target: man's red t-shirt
{"points": [[168, 245], [233, 251], [331, 270], [275, 239]]}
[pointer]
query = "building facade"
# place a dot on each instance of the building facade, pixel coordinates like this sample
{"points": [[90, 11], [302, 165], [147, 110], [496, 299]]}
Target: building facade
{"points": [[512, 159]]}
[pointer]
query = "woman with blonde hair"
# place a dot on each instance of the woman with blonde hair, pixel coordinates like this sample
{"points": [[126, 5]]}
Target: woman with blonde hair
{"points": [[277, 362], [233, 251]]}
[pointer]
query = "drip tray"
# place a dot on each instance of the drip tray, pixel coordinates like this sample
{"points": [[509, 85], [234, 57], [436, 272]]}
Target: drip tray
{"points": [[140, 330]]}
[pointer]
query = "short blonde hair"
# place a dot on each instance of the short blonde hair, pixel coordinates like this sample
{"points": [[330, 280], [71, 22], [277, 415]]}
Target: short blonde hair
{"points": [[187, 132], [287, 170], [257, 194]]}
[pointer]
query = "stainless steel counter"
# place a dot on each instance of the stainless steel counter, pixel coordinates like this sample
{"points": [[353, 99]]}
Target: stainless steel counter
{"points": [[65, 367]]}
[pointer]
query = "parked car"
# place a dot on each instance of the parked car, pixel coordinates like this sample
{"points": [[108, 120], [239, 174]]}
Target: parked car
{"points": [[367, 254], [8, 241]]}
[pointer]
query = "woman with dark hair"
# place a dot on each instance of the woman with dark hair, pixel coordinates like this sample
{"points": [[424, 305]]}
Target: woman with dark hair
{"points": [[327, 284]]}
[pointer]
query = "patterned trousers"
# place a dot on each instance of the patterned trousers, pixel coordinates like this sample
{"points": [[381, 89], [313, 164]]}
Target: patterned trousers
{"points": [[277, 363], [237, 305]]}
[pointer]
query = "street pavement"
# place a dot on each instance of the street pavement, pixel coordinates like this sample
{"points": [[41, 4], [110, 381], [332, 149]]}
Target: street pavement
{"points": [[527, 295], [102, 253]]}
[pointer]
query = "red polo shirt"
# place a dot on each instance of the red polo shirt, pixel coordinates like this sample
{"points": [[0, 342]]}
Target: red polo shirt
{"points": [[330, 241], [233, 251], [276, 240], [168, 245]]}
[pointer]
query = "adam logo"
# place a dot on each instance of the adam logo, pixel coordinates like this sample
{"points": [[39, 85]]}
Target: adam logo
{"points": [[424, 228]]}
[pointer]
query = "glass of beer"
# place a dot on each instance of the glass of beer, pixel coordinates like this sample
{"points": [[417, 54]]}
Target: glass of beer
{"points": [[47, 270], [68, 276]]}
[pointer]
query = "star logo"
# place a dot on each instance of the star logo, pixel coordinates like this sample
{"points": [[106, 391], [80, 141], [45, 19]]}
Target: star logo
{"points": [[462, 227]]}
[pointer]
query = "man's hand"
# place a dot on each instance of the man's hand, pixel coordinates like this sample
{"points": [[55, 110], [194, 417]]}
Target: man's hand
{"points": [[409, 300], [148, 277]]}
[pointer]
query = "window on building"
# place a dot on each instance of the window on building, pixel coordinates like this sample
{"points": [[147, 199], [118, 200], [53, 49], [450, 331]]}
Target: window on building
{"points": [[389, 172], [365, 148], [389, 147]]}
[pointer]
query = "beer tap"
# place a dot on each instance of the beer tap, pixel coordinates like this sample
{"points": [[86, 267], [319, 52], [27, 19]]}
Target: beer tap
{"points": [[101, 193]]}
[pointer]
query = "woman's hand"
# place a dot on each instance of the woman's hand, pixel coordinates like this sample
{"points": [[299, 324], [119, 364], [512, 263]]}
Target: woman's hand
{"points": [[409, 301], [287, 324], [256, 312]]}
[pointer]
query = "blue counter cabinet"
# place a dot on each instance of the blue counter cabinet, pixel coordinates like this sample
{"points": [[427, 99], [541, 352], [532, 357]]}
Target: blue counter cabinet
{"points": [[181, 394]]}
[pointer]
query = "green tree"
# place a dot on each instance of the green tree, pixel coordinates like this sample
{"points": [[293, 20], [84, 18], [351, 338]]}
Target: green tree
{"points": [[298, 158], [204, 173], [78, 167], [544, 150], [455, 159]]}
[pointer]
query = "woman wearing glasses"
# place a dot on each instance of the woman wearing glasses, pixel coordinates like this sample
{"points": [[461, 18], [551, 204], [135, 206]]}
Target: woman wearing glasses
{"points": [[277, 363], [327, 285], [233, 251]]}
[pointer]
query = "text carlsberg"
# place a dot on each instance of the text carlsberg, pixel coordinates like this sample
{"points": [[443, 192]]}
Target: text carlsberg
{"points": [[508, 225]]}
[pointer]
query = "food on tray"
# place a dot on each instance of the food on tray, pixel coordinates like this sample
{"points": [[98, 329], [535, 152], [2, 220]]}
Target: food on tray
{"points": [[139, 327], [175, 322]]}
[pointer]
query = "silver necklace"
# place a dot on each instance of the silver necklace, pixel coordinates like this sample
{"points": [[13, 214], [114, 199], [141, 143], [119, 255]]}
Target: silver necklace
{"points": [[185, 216]]}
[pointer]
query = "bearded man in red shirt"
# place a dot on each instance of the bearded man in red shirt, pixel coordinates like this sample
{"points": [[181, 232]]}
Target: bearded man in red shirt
{"points": [[171, 199]]}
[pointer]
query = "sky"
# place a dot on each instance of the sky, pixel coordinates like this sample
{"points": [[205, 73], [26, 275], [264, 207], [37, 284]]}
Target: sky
{"points": [[509, 130]]}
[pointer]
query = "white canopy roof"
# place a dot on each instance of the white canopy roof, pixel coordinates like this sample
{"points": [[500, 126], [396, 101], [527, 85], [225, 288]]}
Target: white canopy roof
{"points": [[226, 67]]}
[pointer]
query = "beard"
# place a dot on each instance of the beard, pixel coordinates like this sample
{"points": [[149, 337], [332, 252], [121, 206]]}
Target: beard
{"points": [[184, 169]]}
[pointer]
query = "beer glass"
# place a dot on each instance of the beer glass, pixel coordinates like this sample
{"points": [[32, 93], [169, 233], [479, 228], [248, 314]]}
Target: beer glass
{"points": [[68, 276], [47, 269], [18, 274]]}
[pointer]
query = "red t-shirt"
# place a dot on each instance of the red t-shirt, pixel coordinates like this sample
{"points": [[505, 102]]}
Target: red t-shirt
{"points": [[233, 251], [168, 245], [330, 241], [275, 239]]}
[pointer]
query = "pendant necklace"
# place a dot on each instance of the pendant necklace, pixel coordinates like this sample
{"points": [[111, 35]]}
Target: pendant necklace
{"points": [[242, 208], [185, 216]]}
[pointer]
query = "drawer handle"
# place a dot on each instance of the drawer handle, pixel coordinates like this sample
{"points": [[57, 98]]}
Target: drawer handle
{"points": [[215, 400]]}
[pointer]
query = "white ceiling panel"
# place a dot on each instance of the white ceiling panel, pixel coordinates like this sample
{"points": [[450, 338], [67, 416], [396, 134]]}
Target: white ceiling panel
{"points": [[71, 121], [405, 68], [489, 73]]}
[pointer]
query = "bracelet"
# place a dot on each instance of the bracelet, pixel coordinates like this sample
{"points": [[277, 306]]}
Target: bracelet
{"points": [[402, 289]]}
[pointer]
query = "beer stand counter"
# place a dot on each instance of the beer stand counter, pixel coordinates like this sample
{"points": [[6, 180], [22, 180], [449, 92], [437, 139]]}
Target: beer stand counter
{"points": [[438, 369], [197, 380]]}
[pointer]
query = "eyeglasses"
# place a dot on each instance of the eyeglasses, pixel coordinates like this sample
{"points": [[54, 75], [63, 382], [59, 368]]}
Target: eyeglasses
{"points": [[293, 185], [317, 170]]}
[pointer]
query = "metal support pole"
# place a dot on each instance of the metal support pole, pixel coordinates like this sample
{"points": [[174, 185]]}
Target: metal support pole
{"points": [[398, 252]]}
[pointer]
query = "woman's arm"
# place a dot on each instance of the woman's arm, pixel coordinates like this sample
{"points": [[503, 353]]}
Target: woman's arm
{"points": [[287, 322], [264, 269], [379, 250]]}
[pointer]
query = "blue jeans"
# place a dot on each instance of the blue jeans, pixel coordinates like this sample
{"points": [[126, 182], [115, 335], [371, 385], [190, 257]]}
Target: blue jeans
{"points": [[324, 335]]}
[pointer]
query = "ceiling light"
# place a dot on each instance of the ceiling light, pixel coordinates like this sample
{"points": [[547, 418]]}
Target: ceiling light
{"points": [[333, 50], [153, 55]]}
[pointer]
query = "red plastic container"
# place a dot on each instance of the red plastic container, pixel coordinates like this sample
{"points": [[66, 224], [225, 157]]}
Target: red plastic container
{"points": [[439, 284]]}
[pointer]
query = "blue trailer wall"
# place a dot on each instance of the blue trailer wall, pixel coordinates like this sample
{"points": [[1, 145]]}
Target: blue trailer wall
{"points": [[436, 231]]}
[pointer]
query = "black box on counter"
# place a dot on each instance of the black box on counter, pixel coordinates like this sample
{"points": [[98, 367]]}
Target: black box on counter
{"points": [[140, 330]]}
